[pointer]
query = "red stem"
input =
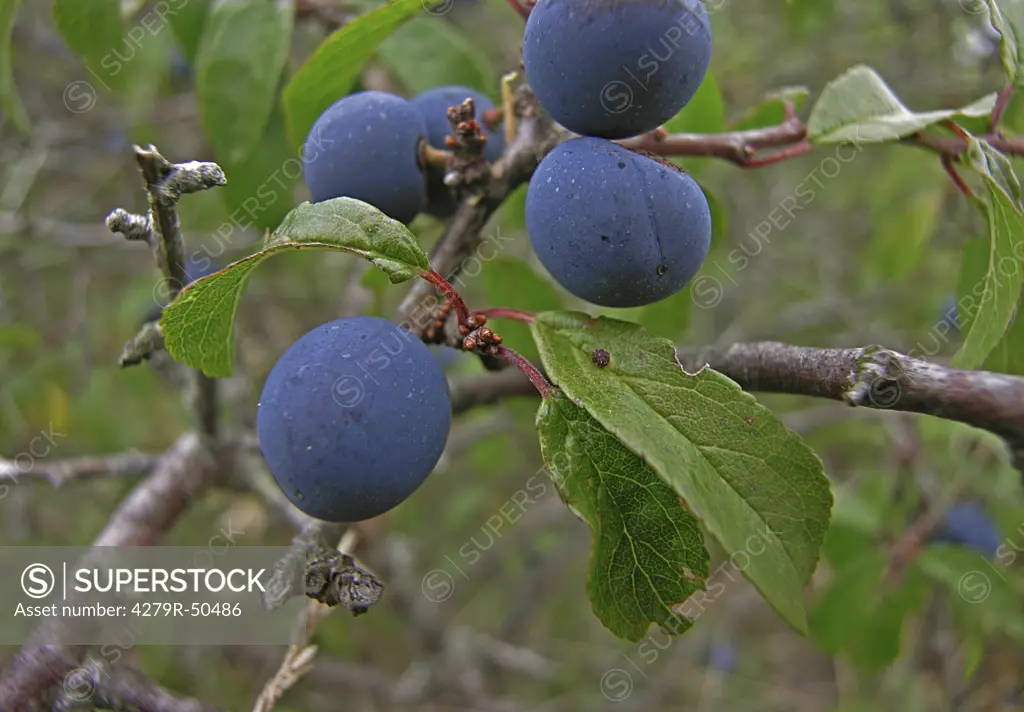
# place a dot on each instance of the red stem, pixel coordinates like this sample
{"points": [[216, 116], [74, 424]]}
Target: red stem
{"points": [[795, 150], [736, 146], [491, 117], [947, 163], [956, 128], [742, 147], [518, 6], [1001, 103], [461, 311], [506, 313], [536, 377]]}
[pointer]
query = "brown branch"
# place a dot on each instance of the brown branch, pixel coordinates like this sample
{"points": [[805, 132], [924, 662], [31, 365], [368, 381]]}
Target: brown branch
{"points": [[1001, 103], [145, 515], [739, 147], [876, 378], [120, 690], [535, 136], [59, 472], [165, 183], [743, 147]]}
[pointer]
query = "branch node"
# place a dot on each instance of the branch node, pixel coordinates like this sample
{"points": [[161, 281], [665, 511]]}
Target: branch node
{"points": [[132, 226], [149, 340], [332, 578], [875, 380]]}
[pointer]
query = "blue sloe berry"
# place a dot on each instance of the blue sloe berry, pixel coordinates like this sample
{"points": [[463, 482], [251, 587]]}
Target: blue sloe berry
{"points": [[353, 417], [614, 69], [366, 146], [614, 227]]}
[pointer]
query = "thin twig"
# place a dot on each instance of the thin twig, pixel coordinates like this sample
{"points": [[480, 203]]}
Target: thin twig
{"points": [[739, 147], [535, 136], [461, 311], [119, 689], [58, 472], [165, 183], [790, 136], [954, 175], [298, 661], [1001, 103], [505, 313], [539, 381]]}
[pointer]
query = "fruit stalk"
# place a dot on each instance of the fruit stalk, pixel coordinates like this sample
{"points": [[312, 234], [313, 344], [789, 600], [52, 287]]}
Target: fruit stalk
{"points": [[522, 7], [505, 313], [537, 378], [445, 287]]}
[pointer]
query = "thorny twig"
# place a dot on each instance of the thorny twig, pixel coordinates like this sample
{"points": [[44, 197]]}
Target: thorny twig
{"points": [[165, 183]]}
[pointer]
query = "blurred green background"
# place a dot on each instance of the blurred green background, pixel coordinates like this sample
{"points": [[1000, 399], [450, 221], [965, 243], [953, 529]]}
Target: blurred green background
{"points": [[872, 259]]}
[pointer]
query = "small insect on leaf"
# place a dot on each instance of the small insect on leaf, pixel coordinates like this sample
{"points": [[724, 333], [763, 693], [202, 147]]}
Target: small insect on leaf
{"points": [[601, 358]]}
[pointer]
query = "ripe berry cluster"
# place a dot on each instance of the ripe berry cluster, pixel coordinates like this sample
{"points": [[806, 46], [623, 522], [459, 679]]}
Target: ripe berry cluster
{"points": [[613, 226], [356, 413], [367, 146]]}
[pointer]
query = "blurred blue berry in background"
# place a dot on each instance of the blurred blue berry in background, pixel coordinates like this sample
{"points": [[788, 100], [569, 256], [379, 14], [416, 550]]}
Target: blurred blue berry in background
{"points": [[951, 313], [722, 656], [968, 524]]}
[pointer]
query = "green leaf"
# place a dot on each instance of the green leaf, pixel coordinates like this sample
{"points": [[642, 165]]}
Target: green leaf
{"points": [[95, 30], [877, 645], [982, 590], [772, 109], [332, 70], [999, 292], [904, 207], [14, 336], [810, 17], [1008, 354], [10, 102], [758, 488], [187, 26], [861, 617], [139, 93], [704, 113], [847, 604], [428, 51], [648, 556], [198, 325], [1008, 19], [971, 280], [239, 62], [860, 107]]}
